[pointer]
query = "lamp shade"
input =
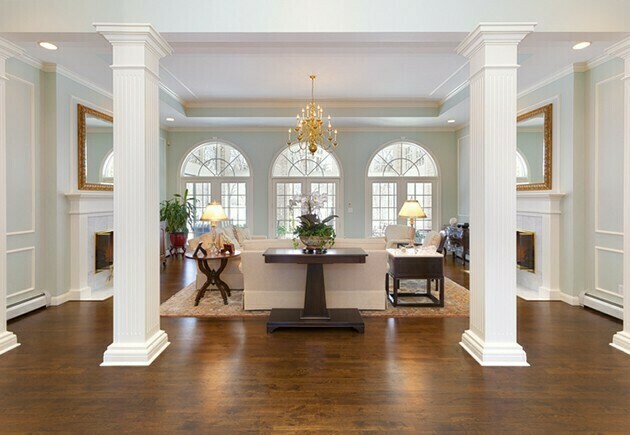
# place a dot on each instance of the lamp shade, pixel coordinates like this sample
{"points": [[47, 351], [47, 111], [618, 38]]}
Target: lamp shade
{"points": [[411, 209], [214, 212]]}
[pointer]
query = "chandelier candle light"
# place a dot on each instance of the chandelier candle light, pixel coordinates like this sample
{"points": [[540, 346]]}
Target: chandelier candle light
{"points": [[310, 127]]}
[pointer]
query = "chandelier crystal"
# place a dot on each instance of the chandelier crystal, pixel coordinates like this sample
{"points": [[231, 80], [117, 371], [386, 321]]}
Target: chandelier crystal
{"points": [[309, 127]]}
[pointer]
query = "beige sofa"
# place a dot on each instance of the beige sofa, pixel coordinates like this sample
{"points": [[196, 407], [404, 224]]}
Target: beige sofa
{"points": [[269, 286]]}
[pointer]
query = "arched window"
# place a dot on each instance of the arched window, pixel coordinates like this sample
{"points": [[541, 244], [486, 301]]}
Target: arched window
{"points": [[297, 171], [397, 172], [217, 171], [522, 170], [107, 168]]}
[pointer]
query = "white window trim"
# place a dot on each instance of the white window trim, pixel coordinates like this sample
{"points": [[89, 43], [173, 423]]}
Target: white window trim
{"points": [[216, 181], [272, 193], [436, 192]]}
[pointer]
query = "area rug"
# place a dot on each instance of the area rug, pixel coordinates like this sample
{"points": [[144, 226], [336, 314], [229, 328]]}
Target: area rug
{"points": [[182, 304]]}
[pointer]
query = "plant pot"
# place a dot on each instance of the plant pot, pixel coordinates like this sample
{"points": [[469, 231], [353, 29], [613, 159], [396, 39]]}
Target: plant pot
{"points": [[178, 240], [317, 244]]}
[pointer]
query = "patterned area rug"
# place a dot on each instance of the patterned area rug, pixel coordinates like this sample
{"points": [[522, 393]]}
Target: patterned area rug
{"points": [[182, 304]]}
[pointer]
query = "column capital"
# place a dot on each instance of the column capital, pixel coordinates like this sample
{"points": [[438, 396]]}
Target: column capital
{"points": [[133, 34], [494, 34]]}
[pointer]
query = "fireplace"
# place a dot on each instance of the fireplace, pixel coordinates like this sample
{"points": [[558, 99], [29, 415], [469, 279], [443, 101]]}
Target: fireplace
{"points": [[526, 250], [104, 251]]}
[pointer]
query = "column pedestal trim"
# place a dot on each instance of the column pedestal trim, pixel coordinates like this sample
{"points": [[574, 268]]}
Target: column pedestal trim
{"points": [[8, 341], [134, 354], [621, 341], [510, 355]]}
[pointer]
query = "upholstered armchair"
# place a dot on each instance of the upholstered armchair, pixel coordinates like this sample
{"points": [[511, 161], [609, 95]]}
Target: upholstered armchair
{"points": [[395, 234]]}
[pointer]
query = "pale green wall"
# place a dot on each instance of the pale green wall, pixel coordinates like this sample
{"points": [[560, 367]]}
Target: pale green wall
{"points": [[24, 213], [603, 132], [354, 153]]}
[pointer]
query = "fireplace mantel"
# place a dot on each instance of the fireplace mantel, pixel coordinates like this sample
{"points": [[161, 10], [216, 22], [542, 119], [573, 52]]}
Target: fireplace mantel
{"points": [[89, 212], [541, 212]]}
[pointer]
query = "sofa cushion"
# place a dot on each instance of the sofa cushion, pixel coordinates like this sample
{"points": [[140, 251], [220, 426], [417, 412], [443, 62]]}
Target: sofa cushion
{"points": [[242, 234]]}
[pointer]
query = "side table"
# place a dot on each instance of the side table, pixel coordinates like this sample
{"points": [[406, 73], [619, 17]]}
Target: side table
{"points": [[420, 265], [213, 276]]}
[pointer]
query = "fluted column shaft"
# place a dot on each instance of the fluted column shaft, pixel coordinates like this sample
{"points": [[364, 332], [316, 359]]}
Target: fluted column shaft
{"points": [[492, 50], [137, 50]]}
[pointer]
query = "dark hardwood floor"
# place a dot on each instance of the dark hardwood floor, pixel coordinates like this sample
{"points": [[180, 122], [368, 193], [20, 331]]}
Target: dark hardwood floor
{"points": [[225, 376]]}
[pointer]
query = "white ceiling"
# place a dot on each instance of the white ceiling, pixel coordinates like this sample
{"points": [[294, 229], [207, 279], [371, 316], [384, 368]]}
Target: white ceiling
{"points": [[351, 66]]}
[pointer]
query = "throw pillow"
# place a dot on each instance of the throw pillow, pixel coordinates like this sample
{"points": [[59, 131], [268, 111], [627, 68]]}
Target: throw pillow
{"points": [[242, 234], [225, 237]]}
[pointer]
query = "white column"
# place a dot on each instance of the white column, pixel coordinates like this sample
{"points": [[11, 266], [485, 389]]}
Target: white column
{"points": [[137, 49], [621, 340], [492, 49], [8, 340]]}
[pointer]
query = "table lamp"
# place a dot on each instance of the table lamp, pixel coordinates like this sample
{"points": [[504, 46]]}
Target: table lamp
{"points": [[213, 213], [411, 209]]}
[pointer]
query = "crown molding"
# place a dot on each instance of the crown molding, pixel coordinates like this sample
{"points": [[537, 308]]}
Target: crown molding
{"points": [[9, 49], [58, 69], [31, 61], [283, 130], [294, 103], [132, 33], [171, 93]]}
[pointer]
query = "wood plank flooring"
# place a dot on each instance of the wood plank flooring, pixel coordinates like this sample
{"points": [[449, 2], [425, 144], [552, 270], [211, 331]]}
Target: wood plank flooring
{"points": [[225, 376]]}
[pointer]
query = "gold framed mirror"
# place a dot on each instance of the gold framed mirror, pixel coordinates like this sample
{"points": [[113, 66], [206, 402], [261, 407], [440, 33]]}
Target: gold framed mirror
{"points": [[95, 149], [533, 149]]}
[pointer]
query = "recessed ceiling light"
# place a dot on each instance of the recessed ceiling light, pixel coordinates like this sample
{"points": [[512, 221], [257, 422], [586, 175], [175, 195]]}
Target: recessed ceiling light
{"points": [[48, 45], [170, 119], [451, 121], [581, 45]]}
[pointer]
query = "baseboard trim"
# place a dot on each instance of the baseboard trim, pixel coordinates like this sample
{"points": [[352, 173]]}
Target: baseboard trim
{"points": [[8, 341], [27, 306], [493, 355], [136, 354], [569, 299], [603, 306], [61, 299], [621, 341]]}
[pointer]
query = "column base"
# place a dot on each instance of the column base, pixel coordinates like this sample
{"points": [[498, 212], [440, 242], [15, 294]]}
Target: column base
{"points": [[498, 355], [621, 341], [8, 341], [136, 354]]}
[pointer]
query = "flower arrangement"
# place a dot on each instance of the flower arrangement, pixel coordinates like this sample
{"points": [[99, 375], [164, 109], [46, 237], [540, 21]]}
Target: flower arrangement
{"points": [[314, 232]]}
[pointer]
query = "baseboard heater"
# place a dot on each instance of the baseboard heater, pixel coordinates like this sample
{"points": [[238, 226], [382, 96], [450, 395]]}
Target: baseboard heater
{"points": [[26, 306], [603, 305]]}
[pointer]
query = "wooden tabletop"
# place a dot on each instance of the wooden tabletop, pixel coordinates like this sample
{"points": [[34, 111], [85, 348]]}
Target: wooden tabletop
{"points": [[200, 256], [332, 256]]}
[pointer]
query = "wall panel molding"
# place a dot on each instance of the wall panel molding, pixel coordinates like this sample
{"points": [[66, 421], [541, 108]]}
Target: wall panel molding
{"points": [[597, 285], [598, 229], [31, 229], [32, 285]]}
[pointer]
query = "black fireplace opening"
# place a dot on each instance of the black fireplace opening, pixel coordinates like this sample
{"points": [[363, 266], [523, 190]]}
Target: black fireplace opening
{"points": [[104, 251], [526, 250]]}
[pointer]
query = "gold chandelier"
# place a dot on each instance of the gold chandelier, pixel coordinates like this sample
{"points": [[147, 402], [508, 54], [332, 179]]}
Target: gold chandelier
{"points": [[310, 127]]}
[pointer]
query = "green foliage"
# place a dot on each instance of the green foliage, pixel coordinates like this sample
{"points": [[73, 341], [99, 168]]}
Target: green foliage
{"points": [[177, 212], [310, 225]]}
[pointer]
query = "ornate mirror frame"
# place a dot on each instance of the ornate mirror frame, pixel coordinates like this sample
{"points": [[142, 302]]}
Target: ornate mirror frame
{"points": [[547, 112], [82, 111]]}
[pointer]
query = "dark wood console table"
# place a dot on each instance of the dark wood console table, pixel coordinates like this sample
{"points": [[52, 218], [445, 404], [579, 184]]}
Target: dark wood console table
{"points": [[315, 314]]}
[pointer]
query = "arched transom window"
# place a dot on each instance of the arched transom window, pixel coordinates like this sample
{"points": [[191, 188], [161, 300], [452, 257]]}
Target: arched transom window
{"points": [[397, 172], [217, 171], [295, 172]]}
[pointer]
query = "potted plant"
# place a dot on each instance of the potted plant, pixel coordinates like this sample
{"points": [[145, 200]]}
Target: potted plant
{"points": [[316, 234], [178, 212]]}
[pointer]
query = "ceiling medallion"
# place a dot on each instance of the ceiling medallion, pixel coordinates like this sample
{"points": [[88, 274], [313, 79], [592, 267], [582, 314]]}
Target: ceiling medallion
{"points": [[309, 127]]}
